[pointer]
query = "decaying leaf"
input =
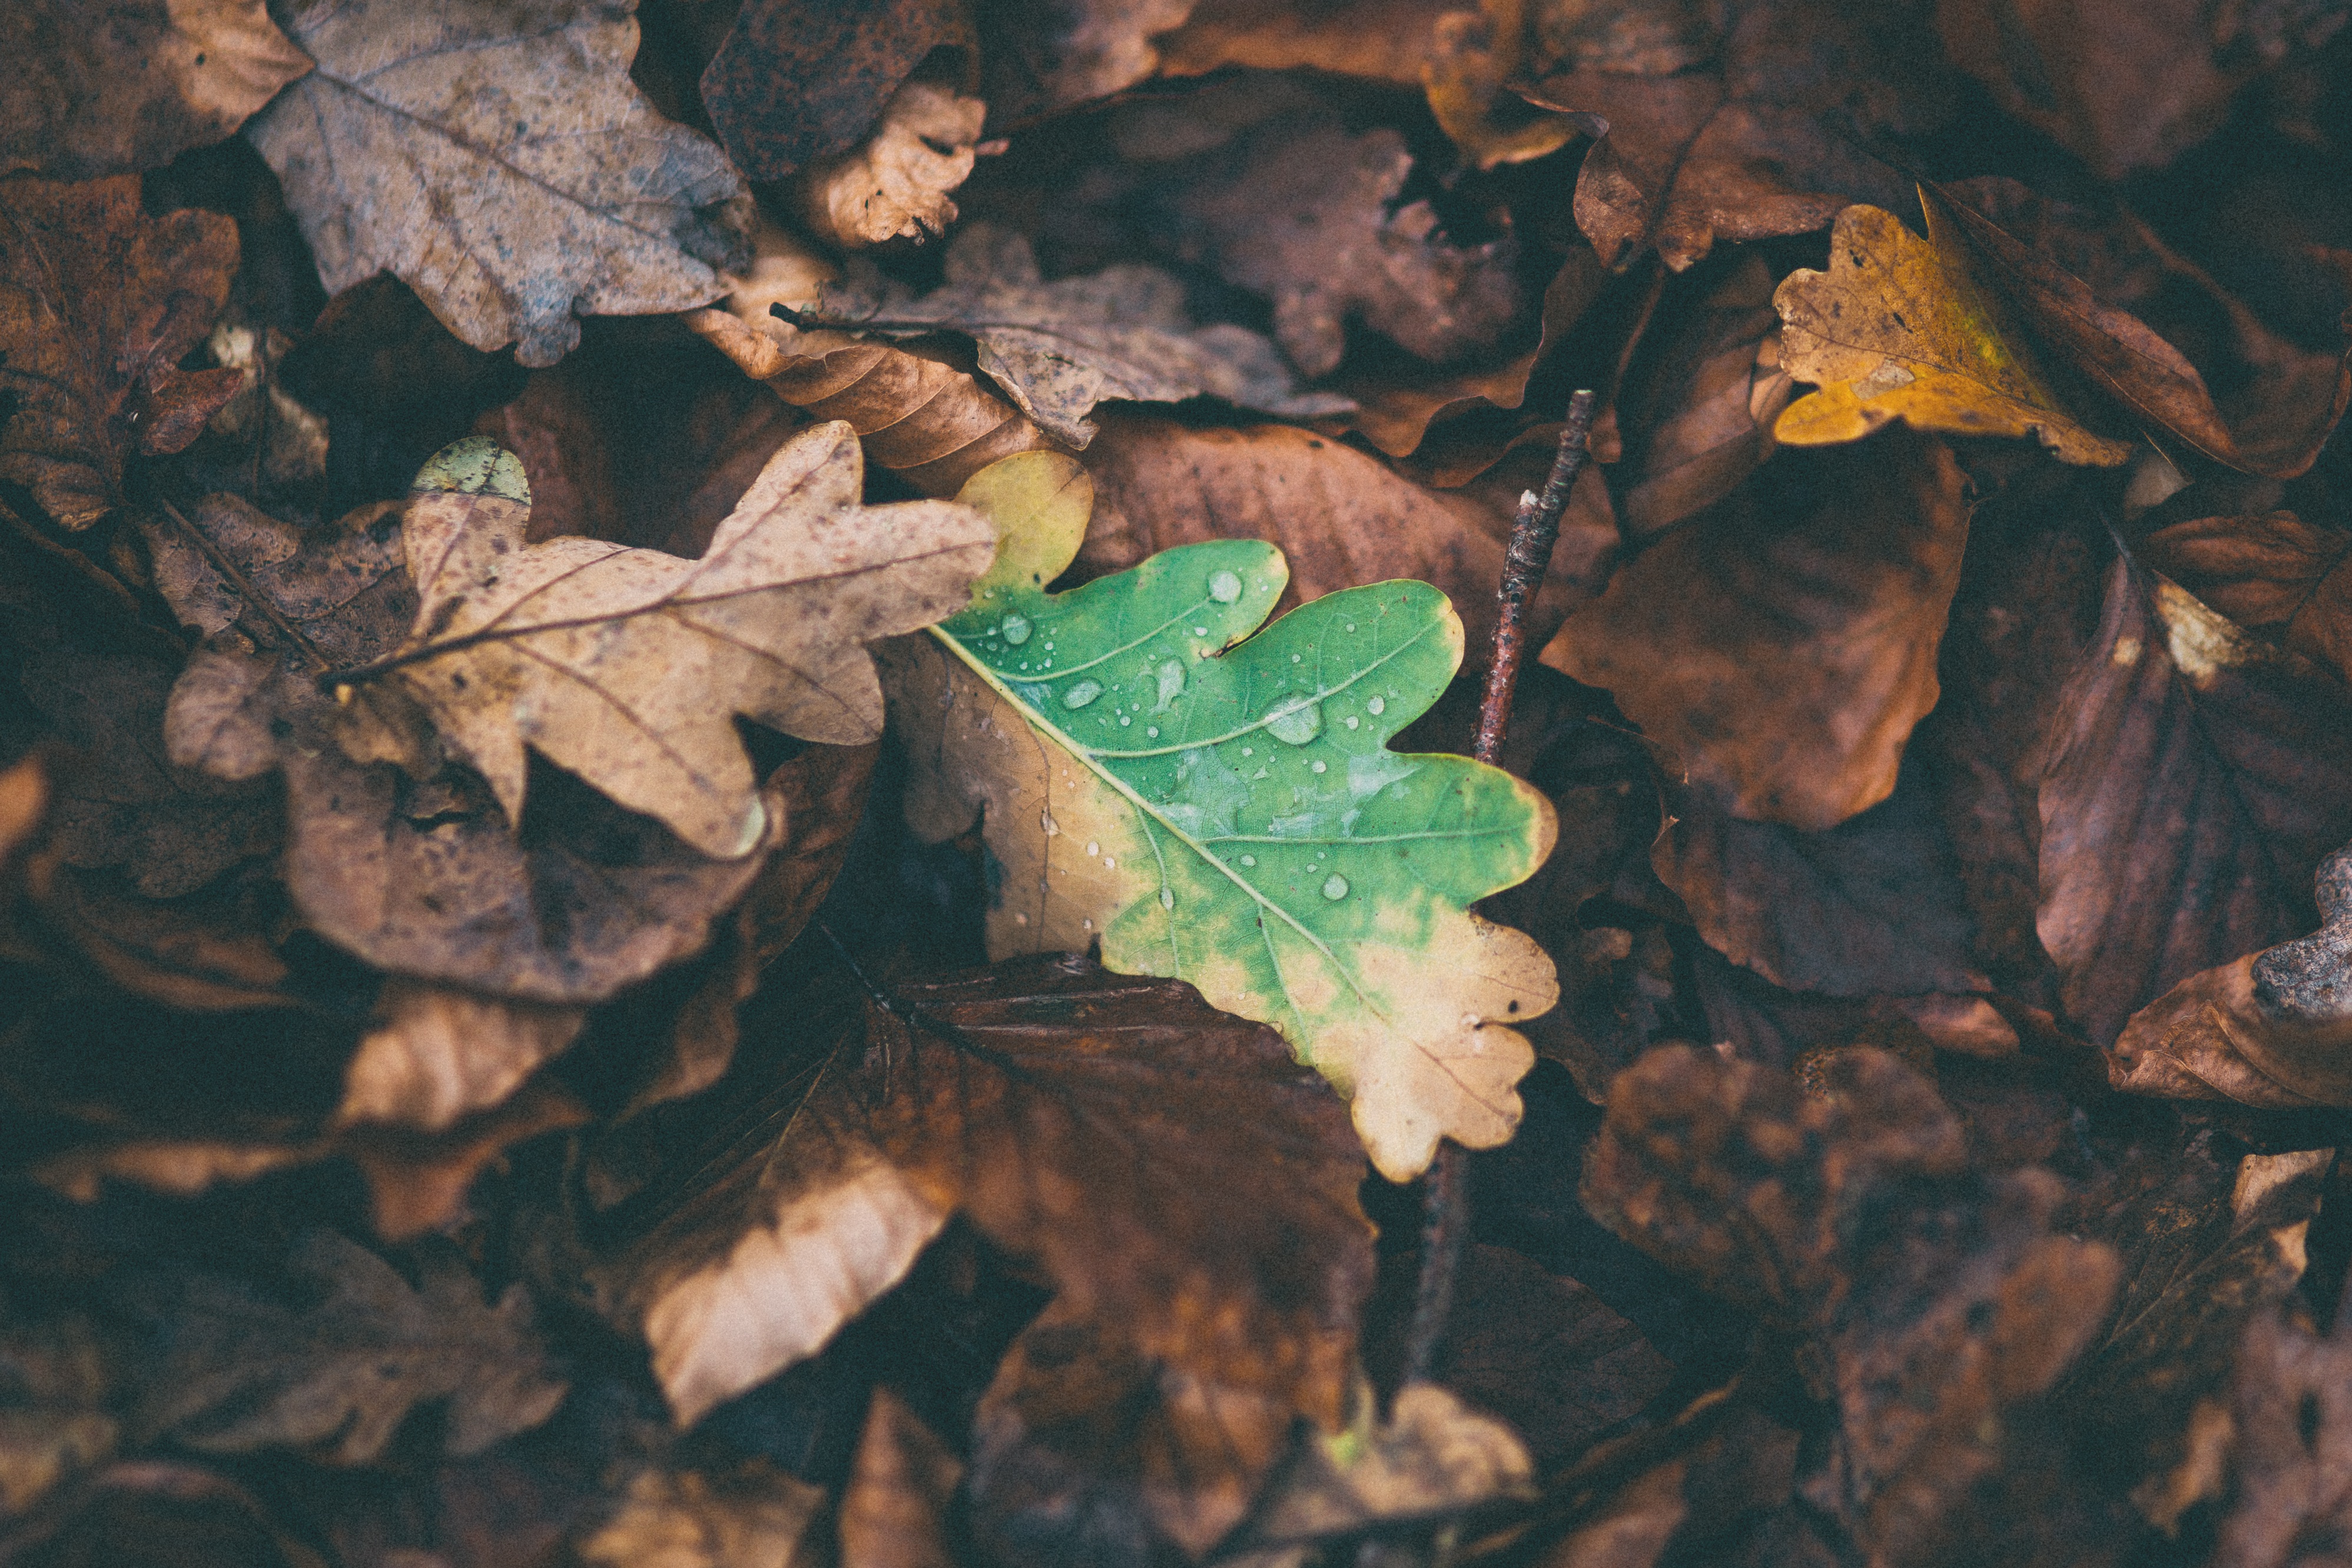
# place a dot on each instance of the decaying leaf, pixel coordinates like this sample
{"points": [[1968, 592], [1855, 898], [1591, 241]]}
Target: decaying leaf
{"points": [[582, 650], [2273, 573], [1059, 348], [494, 157], [791, 83], [1837, 577], [753, 1516], [895, 185], [440, 1054], [90, 97], [1046, 55], [239, 1370], [1475, 57], [1076, 1118], [98, 303], [1227, 811], [2193, 783], [1900, 327], [2272, 1028]]}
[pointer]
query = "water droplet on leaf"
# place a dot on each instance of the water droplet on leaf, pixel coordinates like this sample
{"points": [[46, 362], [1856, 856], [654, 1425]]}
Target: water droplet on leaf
{"points": [[1376, 707], [1224, 588], [1166, 898], [1015, 629], [1295, 726], [1082, 694], [1335, 887], [1319, 767]]}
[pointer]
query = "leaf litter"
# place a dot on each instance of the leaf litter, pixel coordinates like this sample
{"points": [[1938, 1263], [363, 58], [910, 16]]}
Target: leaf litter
{"points": [[859, 931]]}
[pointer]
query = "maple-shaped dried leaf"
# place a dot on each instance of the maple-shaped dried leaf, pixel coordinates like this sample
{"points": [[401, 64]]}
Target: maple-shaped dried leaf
{"points": [[929, 421], [1900, 328], [1783, 644], [2194, 781], [628, 666], [753, 1516], [895, 185], [1224, 808], [98, 303], [2273, 573], [1312, 216], [1935, 1296], [2116, 352], [241, 1370], [1086, 1123], [790, 83], [1058, 349], [2272, 1028], [90, 97], [496, 156]]}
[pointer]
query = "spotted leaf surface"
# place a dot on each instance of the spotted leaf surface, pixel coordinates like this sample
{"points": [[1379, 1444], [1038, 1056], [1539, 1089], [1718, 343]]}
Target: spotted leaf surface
{"points": [[1225, 808]]}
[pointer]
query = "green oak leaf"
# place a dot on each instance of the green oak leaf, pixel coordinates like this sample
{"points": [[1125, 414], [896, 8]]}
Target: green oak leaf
{"points": [[1224, 808]]}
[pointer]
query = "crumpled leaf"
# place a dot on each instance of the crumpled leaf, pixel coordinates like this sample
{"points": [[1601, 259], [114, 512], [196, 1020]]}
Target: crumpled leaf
{"points": [[239, 1370], [754, 1516], [895, 185], [1059, 348], [1783, 644], [628, 666], [1268, 835], [793, 82], [2192, 785], [1311, 215], [1935, 1298], [2273, 573], [2116, 352], [1754, 143], [420, 876], [87, 97], [98, 303], [1901, 329], [1077, 1119], [2272, 1028], [493, 155]]}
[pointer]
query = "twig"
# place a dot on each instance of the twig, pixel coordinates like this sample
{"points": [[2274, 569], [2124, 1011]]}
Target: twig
{"points": [[219, 562], [1445, 1213]]}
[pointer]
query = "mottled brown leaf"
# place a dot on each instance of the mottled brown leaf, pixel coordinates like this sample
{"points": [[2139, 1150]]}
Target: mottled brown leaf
{"points": [[2273, 573], [797, 80], [98, 303]]}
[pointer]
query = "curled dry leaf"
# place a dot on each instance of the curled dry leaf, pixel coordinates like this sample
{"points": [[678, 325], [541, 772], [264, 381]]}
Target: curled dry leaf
{"points": [[902, 1487], [2192, 784], [1475, 57], [496, 158], [1078, 1120], [793, 83], [896, 186], [1935, 1297], [1900, 327], [627, 667], [2273, 573], [931, 424], [1059, 348], [2272, 1028], [87, 97], [1224, 808], [239, 1369], [98, 303], [440, 1054], [1835, 576], [1311, 215]]}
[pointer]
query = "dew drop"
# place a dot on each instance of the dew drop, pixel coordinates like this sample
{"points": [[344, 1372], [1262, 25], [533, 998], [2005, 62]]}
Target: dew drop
{"points": [[1318, 768], [1335, 887], [1088, 923], [1082, 694], [1110, 862], [1125, 719], [1351, 626], [1200, 631], [1224, 588], [1015, 629], [1020, 919], [1376, 707], [1172, 682], [1049, 647], [1294, 658], [1249, 751], [1249, 860], [1166, 898], [1353, 721], [1296, 726], [1152, 730], [1093, 848]]}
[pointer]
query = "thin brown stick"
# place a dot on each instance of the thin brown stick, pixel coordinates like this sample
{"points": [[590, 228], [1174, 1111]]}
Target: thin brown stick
{"points": [[220, 563], [1445, 1212]]}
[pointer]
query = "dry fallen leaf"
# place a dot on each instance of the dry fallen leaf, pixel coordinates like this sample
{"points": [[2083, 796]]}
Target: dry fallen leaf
{"points": [[583, 651], [896, 186], [2294, 1495], [754, 1516], [2273, 573], [790, 83], [1835, 575], [1059, 348], [894, 1512], [1900, 327], [1076, 1119], [98, 303], [1046, 55], [87, 97], [2193, 782], [494, 155]]}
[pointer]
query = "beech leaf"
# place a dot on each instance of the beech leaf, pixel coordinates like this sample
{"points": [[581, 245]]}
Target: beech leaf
{"points": [[628, 666], [1227, 811], [494, 155], [1900, 327]]}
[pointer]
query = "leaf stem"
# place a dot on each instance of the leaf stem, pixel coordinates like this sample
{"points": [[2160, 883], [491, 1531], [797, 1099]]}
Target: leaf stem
{"points": [[1445, 1196]]}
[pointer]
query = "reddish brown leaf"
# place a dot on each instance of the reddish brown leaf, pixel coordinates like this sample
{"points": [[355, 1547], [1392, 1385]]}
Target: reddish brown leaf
{"points": [[2271, 573], [794, 81]]}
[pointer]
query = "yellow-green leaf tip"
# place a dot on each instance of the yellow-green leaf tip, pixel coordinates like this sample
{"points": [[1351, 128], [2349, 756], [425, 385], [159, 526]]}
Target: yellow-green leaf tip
{"points": [[476, 465]]}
